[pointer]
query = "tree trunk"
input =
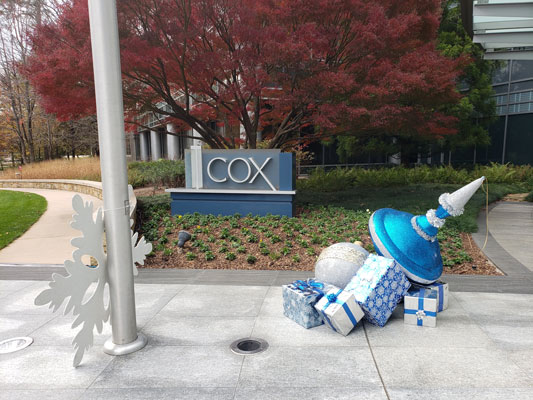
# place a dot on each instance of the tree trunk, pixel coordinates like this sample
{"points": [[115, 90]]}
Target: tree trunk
{"points": [[49, 138], [22, 147]]}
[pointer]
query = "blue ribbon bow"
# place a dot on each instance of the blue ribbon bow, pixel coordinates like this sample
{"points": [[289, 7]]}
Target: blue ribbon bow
{"points": [[311, 285], [332, 298]]}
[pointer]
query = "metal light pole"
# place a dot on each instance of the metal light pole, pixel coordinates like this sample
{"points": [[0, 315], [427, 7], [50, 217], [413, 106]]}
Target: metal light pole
{"points": [[110, 112]]}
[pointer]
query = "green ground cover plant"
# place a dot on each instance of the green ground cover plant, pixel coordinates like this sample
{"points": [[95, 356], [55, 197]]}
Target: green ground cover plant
{"points": [[18, 211], [322, 219]]}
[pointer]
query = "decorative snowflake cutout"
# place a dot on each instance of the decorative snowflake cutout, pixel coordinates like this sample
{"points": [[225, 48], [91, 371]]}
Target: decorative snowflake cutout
{"points": [[76, 288]]}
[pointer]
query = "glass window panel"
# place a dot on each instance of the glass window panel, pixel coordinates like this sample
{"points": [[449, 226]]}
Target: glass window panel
{"points": [[522, 97], [519, 139], [522, 69], [501, 100], [515, 87], [501, 74], [503, 88], [493, 152], [524, 107], [501, 110]]}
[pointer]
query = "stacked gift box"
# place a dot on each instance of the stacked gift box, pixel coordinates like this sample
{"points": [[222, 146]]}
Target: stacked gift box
{"points": [[373, 294]]}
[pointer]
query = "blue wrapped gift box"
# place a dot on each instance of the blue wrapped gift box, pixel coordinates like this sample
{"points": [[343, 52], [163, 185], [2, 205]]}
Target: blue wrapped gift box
{"points": [[378, 287], [299, 299], [420, 307], [442, 293], [340, 310]]}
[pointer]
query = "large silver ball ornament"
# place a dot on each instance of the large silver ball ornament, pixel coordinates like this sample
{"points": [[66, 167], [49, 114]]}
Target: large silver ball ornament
{"points": [[338, 263]]}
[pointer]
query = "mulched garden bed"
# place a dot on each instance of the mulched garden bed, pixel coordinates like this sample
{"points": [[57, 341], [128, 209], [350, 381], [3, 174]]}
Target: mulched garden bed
{"points": [[281, 243]]}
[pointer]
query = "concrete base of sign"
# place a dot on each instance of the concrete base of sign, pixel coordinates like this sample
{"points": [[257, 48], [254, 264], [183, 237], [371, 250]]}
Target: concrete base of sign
{"points": [[230, 202]]}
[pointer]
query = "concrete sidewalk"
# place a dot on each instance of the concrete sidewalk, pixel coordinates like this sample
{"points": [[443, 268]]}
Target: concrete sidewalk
{"points": [[481, 349], [48, 240], [511, 225]]}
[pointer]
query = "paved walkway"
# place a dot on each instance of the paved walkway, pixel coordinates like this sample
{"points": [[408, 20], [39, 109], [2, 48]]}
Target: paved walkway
{"points": [[482, 348], [508, 246], [511, 225], [48, 240]]}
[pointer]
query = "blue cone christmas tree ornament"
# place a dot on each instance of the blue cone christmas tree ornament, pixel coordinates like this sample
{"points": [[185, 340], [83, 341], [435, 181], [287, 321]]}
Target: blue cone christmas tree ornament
{"points": [[412, 240]]}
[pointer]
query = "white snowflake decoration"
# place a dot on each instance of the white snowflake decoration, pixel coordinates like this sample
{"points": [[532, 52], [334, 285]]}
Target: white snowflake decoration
{"points": [[93, 312]]}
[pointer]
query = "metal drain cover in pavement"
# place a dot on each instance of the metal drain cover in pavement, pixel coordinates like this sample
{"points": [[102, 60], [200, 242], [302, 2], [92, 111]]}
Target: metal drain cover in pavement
{"points": [[15, 344], [249, 346]]}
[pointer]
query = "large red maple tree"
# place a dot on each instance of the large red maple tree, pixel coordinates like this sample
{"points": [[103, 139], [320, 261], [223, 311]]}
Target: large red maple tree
{"points": [[342, 66]]}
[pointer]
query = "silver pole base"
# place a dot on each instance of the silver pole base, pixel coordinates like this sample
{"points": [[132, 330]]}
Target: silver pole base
{"points": [[122, 349]]}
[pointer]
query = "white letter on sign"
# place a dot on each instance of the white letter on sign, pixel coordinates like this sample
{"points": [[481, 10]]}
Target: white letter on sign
{"points": [[209, 170], [247, 166], [260, 171]]}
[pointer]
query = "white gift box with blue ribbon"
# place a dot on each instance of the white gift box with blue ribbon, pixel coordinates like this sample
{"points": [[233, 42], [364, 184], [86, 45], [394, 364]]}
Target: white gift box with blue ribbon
{"points": [[420, 307], [442, 293], [340, 310], [378, 287], [299, 299]]}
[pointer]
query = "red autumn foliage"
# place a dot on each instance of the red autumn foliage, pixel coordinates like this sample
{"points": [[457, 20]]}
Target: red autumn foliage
{"points": [[356, 66]]}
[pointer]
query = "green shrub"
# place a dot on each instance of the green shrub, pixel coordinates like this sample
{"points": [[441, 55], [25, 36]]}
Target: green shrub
{"points": [[150, 211], [343, 178], [161, 173]]}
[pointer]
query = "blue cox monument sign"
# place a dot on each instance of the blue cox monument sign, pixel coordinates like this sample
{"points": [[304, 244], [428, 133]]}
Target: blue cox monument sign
{"points": [[236, 181]]}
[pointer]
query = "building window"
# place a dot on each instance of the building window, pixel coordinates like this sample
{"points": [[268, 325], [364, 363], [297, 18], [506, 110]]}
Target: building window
{"points": [[521, 69]]}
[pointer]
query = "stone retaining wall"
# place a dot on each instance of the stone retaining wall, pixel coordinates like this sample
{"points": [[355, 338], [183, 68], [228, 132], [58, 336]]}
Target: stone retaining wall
{"points": [[90, 188]]}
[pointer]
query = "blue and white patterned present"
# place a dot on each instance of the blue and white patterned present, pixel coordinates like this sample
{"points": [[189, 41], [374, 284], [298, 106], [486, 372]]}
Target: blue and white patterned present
{"points": [[442, 293], [420, 307], [299, 299], [340, 310], [378, 287]]}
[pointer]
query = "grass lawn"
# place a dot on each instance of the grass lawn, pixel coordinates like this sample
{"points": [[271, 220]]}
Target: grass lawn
{"points": [[18, 211], [294, 243]]}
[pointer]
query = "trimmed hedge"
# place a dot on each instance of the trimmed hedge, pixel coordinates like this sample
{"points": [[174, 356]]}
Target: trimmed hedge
{"points": [[343, 178], [161, 173]]}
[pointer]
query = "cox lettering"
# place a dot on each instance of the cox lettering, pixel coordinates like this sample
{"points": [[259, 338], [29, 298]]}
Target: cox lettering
{"points": [[248, 163]]}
